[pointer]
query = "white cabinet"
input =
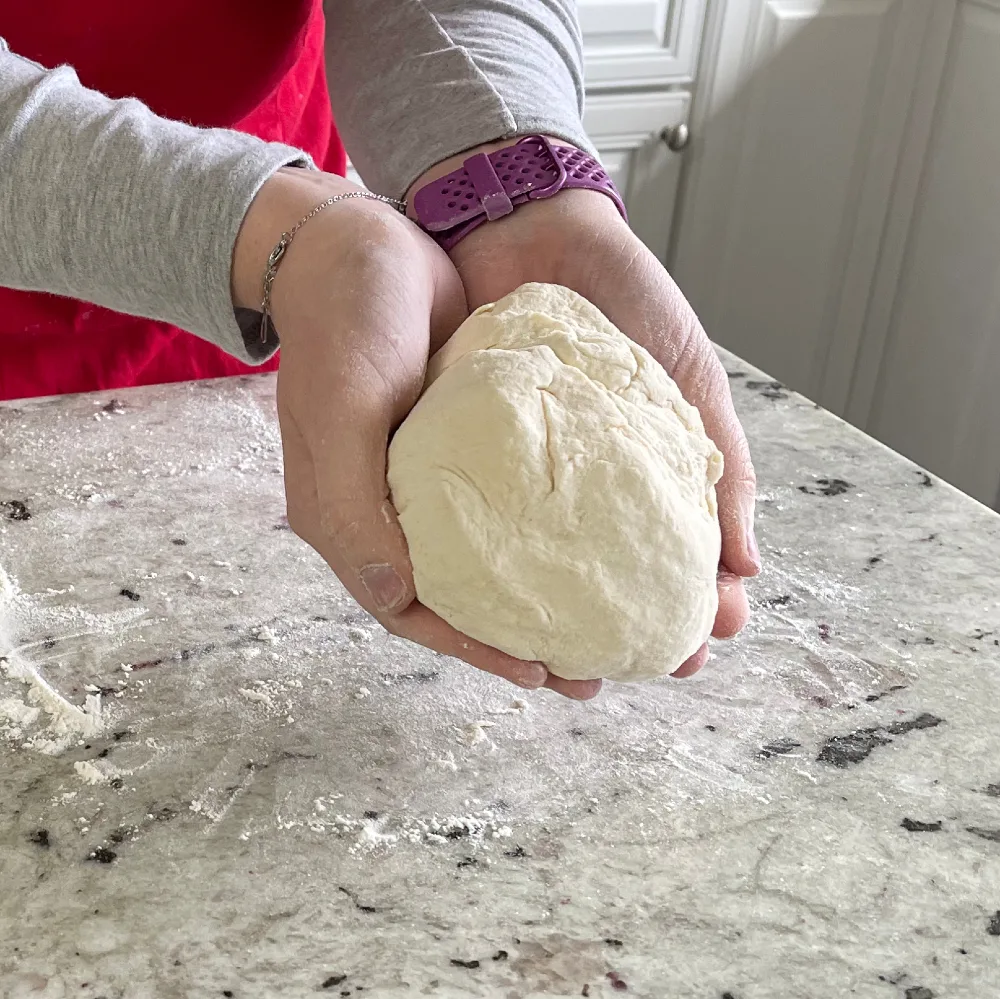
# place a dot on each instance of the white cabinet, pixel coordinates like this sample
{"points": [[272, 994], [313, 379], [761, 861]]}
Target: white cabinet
{"points": [[935, 364], [627, 130], [840, 215], [640, 42], [801, 107]]}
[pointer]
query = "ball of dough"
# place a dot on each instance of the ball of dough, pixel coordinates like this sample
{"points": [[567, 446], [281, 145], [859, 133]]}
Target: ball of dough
{"points": [[558, 494]]}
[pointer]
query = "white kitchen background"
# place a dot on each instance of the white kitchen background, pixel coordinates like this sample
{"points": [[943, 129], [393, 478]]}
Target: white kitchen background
{"points": [[822, 177]]}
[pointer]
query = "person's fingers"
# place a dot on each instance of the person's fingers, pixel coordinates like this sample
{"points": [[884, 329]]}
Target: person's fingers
{"points": [[578, 690], [734, 609], [419, 624], [705, 384], [339, 504], [692, 665]]}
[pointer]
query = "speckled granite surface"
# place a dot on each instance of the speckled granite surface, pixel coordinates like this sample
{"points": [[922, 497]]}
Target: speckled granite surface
{"points": [[283, 801]]}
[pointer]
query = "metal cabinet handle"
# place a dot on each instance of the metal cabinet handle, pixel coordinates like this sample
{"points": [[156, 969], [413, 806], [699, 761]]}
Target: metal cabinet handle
{"points": [[676, 137]]}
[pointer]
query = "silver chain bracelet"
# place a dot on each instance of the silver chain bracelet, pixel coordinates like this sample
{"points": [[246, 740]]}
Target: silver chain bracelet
{"points": [[274, 259]]}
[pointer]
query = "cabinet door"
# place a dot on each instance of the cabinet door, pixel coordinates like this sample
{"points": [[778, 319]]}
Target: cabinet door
{"points": [[627, 132], [640, 42], [928, 387], [799, 118]]}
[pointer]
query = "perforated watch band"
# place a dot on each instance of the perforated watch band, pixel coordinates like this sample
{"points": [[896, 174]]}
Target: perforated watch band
{"points": [[488, 186]]}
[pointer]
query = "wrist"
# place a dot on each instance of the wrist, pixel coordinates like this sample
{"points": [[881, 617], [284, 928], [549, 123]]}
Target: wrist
{"points": [[444, 167], [495, 187], [282, 200]]}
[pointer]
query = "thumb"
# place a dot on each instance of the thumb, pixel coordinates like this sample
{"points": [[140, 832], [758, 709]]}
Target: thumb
{"points": [[356, 516], [705, 384], [341, 507]]}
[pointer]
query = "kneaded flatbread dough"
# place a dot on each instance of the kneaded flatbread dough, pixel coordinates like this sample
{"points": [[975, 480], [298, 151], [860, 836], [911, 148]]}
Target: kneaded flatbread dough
{"points": [[557, 493]]}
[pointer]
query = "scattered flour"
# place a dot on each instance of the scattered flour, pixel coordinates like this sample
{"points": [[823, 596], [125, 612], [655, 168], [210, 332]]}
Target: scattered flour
{"points": [[374, 833], [88, 773], [473, 733], [42, 719], [257, 696]]}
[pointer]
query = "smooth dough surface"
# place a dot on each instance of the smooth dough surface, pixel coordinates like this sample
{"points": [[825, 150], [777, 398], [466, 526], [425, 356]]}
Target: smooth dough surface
{"points": [[558, 494]]}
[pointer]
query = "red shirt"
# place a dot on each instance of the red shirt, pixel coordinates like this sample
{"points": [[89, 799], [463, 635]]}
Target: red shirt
{"points": [[253, 65]]}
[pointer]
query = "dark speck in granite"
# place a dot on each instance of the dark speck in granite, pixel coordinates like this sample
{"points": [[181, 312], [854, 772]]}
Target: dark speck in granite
{"points": [[918, 992], [923, 720], [354, 898], [516, 853], [925, 479], [500, 955], [613, 942], [993, 835], [15, 510], [129, 594], [843, 750], [712, 728], [40, 837], [459, 963], [467, 862], [736, 374], [781, 601], [617, 982], [780, 747], [420, 676], [102, 855], [824, 632], [329, 982], [993, 790], [178, 541], [769, 390], [914, 825], [872, 562], [827, 487], [871, 698], [115, 407], [993, 926]]}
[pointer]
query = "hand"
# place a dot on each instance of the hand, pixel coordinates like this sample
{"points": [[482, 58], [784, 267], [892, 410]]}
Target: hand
{"points": [[360, 301], [578, 239]]}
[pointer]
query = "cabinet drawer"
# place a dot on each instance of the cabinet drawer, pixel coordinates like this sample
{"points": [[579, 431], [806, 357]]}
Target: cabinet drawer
{"points": [[640, 42], [626, 130]]}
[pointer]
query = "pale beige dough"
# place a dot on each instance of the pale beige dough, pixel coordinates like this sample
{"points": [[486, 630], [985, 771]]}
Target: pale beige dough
{"points": [[557, 493]]}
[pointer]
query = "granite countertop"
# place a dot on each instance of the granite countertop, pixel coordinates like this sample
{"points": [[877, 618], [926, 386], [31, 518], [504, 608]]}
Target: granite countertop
{"points": [[278, 799]]}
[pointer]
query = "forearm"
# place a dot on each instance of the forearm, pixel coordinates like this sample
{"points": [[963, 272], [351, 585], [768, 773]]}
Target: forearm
{"points": [[413, 82], [103, 201]]}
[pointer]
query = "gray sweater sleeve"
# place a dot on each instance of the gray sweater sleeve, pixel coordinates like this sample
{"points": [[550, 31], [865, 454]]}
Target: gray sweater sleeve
{"points": [[103, 201], [416, 81]]}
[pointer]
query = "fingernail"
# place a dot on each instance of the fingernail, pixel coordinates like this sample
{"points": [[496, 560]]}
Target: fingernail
{"points": [[385, 585], [531, 676]]}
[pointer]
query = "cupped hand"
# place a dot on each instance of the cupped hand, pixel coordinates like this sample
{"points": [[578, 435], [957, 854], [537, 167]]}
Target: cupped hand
{"points": [[578, 239], [360, 300]]}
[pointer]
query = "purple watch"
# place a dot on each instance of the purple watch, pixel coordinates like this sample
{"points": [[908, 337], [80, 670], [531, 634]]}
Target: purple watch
{"points": [[487, 187]]}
